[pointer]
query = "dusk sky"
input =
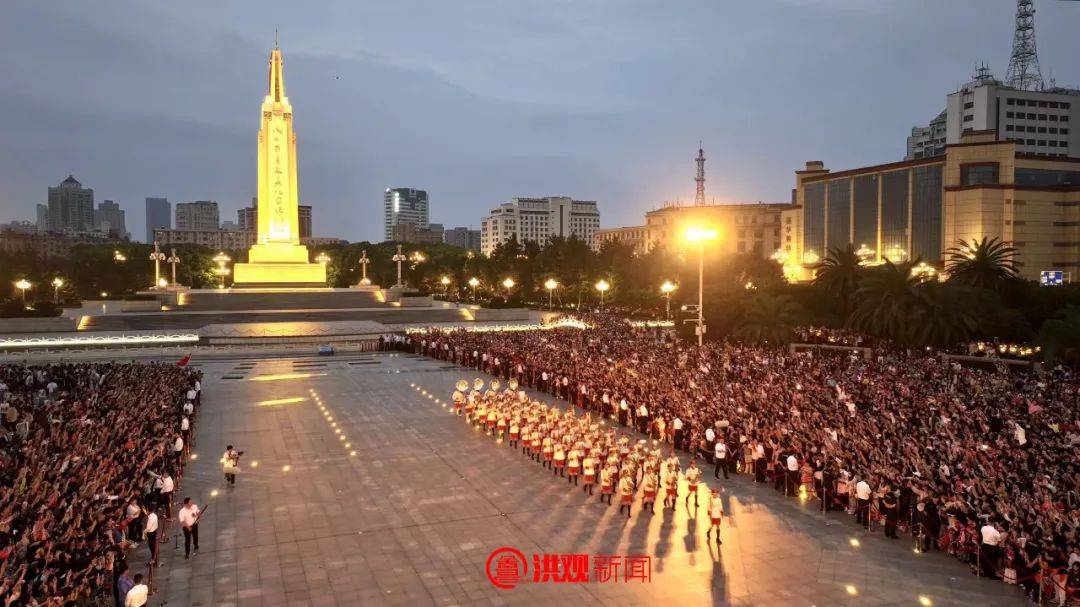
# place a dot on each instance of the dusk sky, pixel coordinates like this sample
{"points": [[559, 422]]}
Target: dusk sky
{"points": [[478, 101]]}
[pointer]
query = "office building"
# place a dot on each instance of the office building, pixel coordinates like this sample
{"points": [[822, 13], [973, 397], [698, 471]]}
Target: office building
{"points": [[750, 228], [49, 244], [926, 141], [247, 218], [199, 216], [42, 217], [634, 236], [71, 207], [158, 216], [463, 238], [212, 239], [405, 232], [401, 205], [982, 187], [109, 219], [538, 219]]}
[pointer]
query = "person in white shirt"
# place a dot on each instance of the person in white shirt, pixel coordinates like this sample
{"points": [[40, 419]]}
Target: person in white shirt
{"points": [[178, 451], [990, 549], [150, 533], [167, 488], [720, 456], [642, 418], [716, 516], [189, 524], [791, 486], [139, 593], [863, 493]]}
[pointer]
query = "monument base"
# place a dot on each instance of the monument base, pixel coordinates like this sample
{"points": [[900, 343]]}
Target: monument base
{"points": [[268, 273]]}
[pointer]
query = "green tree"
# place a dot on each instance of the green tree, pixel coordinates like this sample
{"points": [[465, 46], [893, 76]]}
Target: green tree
{"points": [[769, 319], [885, 300], [1060, 336], [986, 263], [838, 276]]}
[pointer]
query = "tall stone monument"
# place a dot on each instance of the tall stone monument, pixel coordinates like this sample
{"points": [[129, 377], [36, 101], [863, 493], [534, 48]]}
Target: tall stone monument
{"points": [[277, 258]]}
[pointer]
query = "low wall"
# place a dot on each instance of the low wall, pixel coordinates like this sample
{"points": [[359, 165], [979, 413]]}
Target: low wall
{"points": [[37, 325], [140, 305], [499, 314], [412, 301]]}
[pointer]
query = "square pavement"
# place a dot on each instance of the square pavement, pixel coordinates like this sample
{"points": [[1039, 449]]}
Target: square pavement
{"points": [[412, 517]]}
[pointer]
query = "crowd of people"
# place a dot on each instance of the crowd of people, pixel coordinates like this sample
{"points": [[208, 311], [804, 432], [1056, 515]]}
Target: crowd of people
{"points": [[982, 464], [90, 455]]}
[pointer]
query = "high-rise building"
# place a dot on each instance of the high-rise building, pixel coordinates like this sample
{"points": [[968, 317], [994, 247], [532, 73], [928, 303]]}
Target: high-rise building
{"points": [[158, 216], [464, 238], [71, 207], [929, 140], [404, 204], [538, 219], [632, 236], [247, 218], [201, 216], [109, 219], [406, 232], [42, 217]]}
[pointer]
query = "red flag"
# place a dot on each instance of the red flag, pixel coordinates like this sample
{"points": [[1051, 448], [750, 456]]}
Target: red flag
{"points": [[183, 361]]}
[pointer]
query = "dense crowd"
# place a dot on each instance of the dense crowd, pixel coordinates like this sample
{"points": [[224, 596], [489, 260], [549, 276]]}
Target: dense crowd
{"points": [[983, 464], [88, 452]]}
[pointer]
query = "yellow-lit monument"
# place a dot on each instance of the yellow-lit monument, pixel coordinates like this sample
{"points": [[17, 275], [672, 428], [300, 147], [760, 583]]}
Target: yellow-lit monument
{"points": [[277, 258]]}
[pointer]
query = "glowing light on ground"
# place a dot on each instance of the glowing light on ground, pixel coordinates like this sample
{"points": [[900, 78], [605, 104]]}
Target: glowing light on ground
{"points": [[281, 401], [281, 376]]}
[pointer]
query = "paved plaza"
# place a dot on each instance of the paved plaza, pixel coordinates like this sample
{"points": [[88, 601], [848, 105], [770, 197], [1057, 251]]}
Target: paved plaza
{"points": [[412, 517]]}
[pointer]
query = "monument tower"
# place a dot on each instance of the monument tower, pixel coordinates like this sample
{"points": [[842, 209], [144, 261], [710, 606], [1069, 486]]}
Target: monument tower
{"points": [[277, 258]]}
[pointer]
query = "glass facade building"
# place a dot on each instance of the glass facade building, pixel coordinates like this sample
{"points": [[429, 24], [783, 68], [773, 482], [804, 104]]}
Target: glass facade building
{"points": [[814, 217], [894, 215], [926, 213], [839, 232], [866, 212]]}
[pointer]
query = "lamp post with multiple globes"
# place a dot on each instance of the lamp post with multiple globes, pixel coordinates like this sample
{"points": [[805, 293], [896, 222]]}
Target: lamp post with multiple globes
{"points": [[364, 261], [445, 282], [602, 286], [57, 283], [221, 270], [667, 288], [23, 285], [551, 284], [172, 261], [508, 284], [474, 282], [157, 257], [398, 258]]}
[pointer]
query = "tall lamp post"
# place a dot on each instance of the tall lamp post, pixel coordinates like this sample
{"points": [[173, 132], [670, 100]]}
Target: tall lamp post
{"points": [[364, 261], [221, 259], [508, 284], [119, 257], [700, 236], [157, 257], [602, 286], [22, 284], [398, 258], [172, 261], [57, 283], [551, 284], [474, 282], [667, 289], [445, 282]]}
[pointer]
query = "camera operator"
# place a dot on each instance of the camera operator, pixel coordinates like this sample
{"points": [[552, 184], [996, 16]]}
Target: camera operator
{"points": [[231, 464]]}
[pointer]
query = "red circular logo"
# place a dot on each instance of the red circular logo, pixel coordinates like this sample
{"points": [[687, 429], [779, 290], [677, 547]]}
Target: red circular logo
{"points": [[506, 567]]}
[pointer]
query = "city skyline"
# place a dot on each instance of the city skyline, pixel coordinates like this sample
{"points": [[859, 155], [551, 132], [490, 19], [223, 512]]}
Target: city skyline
{"points": [[475, 128]]}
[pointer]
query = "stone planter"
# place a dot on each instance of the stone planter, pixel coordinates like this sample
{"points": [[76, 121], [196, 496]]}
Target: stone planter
{"points": [[37, 325], [415, 301], [140, 306]]}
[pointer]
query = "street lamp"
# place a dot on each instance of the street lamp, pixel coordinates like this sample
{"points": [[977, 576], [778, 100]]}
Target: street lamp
{"points": [[157, 257], [57, 283], [508, 283], [398, 258], [221, 259], [667, 289], [22, 284], [602, 286], [700, 236], [445, 282], [119, 257], [474, 282], [551, 284], [322, 258]]}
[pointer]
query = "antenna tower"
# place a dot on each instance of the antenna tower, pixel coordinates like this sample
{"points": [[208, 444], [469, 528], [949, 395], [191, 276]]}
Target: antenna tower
{"points": [[1024, 73], [699, 197]]}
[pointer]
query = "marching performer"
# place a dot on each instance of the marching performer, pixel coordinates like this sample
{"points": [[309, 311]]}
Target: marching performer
{"points": [[515, 431], [626, 492], [693, 475], [560, 460], [573, 465], [607, 482], [648, 485], [671, 485], [716, 515], [588, 465]]}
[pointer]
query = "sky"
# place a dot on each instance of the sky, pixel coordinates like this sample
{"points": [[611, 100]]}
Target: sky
{"points": [[478, 101]]}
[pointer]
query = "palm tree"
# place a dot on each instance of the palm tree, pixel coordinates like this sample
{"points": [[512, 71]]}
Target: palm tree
{"points": [[838, 274], [987, 263], [769, 319], [885, 300], [947, 314]]}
